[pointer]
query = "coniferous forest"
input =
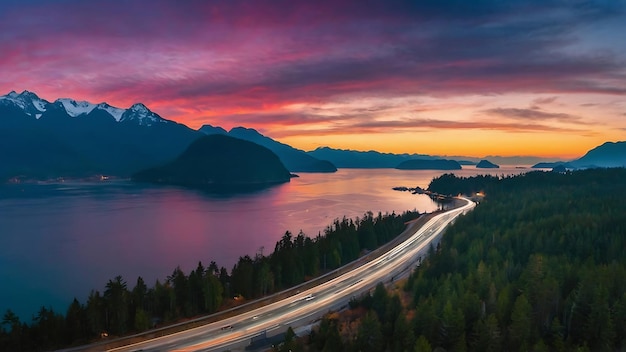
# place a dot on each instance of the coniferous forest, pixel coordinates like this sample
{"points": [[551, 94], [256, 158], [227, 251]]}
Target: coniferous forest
{"points": [[537, 266]]}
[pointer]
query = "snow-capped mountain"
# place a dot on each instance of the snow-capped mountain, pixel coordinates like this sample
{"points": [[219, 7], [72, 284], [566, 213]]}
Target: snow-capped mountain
{"points": [[75, 108], [141, 115], [64, 138], [34, 106], [69, 138], [29, 102], [113, 111]]}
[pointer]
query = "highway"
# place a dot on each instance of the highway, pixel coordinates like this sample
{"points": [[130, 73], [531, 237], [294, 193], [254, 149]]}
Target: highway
{"points": [[305, 307]]}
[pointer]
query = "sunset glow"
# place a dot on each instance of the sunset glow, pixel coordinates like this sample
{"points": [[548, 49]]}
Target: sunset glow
{"points": [[469, 78]]}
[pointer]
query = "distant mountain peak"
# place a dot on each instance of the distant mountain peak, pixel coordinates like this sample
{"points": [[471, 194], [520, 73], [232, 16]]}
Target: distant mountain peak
{"points": [[210, 129], [29, 102], [140, 114], [139, 107], [25, 93], [245, 131], [112, 110], [75, 108], [29, 93], [241, 128]]}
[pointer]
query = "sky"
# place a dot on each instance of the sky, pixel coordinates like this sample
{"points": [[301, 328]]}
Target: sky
{"points": [[474, 78]]}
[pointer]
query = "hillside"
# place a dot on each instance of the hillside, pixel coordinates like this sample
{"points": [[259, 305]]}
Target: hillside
{"points": [[609, 154], [295, 160], [219, 162]]}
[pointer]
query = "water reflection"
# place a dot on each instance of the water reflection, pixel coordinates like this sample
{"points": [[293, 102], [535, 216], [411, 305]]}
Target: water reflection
{"points": [[59, 241]]}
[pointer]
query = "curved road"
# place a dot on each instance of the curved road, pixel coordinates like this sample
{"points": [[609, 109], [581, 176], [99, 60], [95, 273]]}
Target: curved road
{"points": [[303, 308]]}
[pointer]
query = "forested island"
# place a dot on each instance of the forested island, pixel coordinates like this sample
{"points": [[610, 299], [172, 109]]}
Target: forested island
{"points": [[218, 162], [486, 164]]}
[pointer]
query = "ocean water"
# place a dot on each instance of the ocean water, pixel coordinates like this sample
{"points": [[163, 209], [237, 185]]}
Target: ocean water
{"points": [[60, 240]]}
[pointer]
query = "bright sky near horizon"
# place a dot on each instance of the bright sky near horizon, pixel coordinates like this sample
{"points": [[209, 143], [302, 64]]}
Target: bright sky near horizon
{"points": [[474, 78]]}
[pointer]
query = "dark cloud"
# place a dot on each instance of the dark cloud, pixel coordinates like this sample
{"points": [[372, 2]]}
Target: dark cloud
{"points": [[321, 79], [425, 125], [534, 115], [283, 119], [367, 122], [445, 124], [542, 101]]}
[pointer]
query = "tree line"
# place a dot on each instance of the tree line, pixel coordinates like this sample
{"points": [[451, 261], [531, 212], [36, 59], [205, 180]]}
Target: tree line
{"points": [[537, 266], [123, 308]]}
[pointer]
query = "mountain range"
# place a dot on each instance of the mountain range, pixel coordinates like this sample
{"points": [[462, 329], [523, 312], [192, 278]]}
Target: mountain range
{"points": [[68, 138], [343, 158], [295, 160], [42, 139]]}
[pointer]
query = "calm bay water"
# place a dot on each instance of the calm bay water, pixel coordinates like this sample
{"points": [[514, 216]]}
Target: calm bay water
{"points": [[58, 241]]}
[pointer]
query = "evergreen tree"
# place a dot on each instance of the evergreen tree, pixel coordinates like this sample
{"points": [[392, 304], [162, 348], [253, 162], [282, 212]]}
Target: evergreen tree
{"points": [[76, 323], [116, 305], [521, 327], [422, 345], [369, 336]]}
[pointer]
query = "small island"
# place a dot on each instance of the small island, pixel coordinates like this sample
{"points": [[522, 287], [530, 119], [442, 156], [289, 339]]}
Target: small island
{"points": [[219, 163], [486, 164], [547, 165], [426, 164]]}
